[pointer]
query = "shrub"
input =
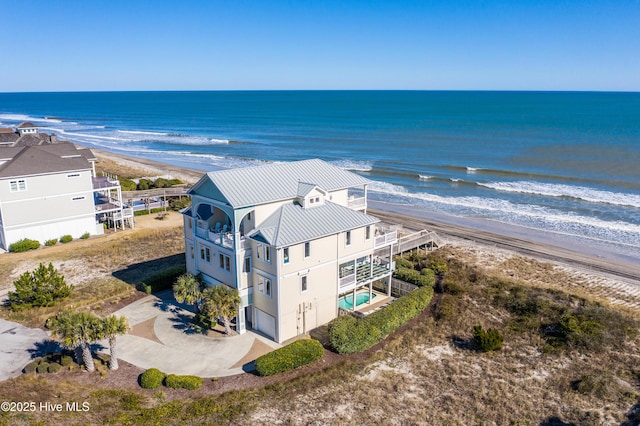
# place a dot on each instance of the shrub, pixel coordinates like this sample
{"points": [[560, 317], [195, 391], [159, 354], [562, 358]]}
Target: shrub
{"points": [[296, 354], [66, 360], [403, 263], [66, 238], [175, 181], [183, 382], [43, 367], [349, 335], [127, 184], [31, 367], [24, 245], [41, 287], [85, 236], [446, 309], [50, 243], [162, 183], [152, 378], [144, 184], [179, 203], [54, 368], [487, 341], [451, 287], [414, 277]]}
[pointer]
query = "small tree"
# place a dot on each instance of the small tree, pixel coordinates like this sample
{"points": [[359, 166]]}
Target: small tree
{"points": [[41, 287], [188, 289], [490, 340], [221, 302], [112, 327]]}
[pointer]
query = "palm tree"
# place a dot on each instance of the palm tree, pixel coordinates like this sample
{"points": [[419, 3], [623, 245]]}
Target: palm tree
{"points": [[113, 326], [221, 302], [188, 289], [62, 326], [78, 330]]}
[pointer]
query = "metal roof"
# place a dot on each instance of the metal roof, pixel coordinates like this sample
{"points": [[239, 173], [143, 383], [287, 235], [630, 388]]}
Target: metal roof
{"points": [[293, 224], [252, 186]]}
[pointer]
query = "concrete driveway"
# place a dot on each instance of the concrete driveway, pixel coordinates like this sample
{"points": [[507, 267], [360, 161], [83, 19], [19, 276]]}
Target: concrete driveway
{"points": [[161, 337], [19, 345]]}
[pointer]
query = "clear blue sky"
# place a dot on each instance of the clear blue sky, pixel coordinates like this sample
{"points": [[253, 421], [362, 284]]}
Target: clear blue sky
{"points": [[271, 44]]}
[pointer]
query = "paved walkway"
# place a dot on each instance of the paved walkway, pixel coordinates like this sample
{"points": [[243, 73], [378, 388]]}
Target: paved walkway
{"points": [[161, 337]]}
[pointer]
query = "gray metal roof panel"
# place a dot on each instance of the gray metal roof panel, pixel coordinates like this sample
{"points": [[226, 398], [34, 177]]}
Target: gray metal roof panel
{"points": [[293, 224], [251, 186]]}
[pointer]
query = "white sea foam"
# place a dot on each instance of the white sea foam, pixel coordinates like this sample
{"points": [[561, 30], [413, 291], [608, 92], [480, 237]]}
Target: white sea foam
{"points": [[19, 118], [424, 177], [140, 132], [214, 140], [455, 180], [524, 214], [472, 169], [560, 190], [358, 166]]}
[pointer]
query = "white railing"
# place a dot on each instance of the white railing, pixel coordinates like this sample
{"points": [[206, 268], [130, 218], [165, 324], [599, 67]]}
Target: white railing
{"points": [[347, 281], [388, 238], [357, 203]]}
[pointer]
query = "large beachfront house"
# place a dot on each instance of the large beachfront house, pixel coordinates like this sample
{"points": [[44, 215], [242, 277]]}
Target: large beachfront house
{"points": [[292, 238], [49, 188]]}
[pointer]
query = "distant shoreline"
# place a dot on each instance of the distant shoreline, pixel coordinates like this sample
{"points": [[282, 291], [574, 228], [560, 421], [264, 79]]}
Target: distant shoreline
{"points": [[529, 242]]}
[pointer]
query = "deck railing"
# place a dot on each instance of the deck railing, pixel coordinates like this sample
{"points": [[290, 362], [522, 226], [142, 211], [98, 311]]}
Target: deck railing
{"points": [[384, 239], [357, 203]]}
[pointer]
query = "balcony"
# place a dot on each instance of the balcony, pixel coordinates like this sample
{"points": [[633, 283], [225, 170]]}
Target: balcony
{"points": [[222, 239], [364, 272], [385, 239], [357, 203]]}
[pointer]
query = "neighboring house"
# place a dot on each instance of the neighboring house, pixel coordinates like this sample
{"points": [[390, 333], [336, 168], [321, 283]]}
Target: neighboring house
{"points": [[290, 237], [48, 189]]}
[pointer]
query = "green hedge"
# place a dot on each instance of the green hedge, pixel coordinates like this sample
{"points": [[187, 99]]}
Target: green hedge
{"points": [[66, 239], [152, 378], [296, 354], [24, 245], [50, 243], [348, 334], [421, 279], [403, 263], [183, 382]]}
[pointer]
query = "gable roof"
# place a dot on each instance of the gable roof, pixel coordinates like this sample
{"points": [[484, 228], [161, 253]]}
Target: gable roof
{"points": [[293, 224], [26, 125], [251, 186], [42, 159]]}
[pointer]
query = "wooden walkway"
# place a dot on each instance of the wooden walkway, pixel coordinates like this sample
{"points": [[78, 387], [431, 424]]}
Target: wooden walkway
{"points": [[427, 240]]}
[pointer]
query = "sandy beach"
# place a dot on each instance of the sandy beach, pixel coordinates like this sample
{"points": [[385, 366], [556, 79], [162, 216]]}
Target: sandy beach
{"points": [[597, 270]]}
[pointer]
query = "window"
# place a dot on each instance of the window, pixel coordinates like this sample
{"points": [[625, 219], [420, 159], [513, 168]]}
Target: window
{"points": [[264, 286], [249, 216], [317, 199], [285, 255], [190, 223], [77, 198], [247, 265], [264, 253], [191, 250], [72, 175], [348, 238], [307, 249], [205, 254], [18, 185], [303, 283], [225, 262], [367, 234]]}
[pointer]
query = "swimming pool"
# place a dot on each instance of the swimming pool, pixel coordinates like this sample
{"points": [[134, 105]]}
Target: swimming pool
{"points": [[346, 301]]}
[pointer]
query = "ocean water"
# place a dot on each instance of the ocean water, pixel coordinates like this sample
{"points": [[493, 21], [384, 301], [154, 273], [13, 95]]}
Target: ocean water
{"points": [[560, 162]]}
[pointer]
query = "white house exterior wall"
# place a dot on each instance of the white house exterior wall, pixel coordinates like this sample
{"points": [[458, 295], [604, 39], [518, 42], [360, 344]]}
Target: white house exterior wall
{"points": [[51, 206]]}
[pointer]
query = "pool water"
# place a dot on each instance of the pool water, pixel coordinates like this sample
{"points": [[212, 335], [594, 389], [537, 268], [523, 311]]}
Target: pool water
{"points": [[346, 302]]}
